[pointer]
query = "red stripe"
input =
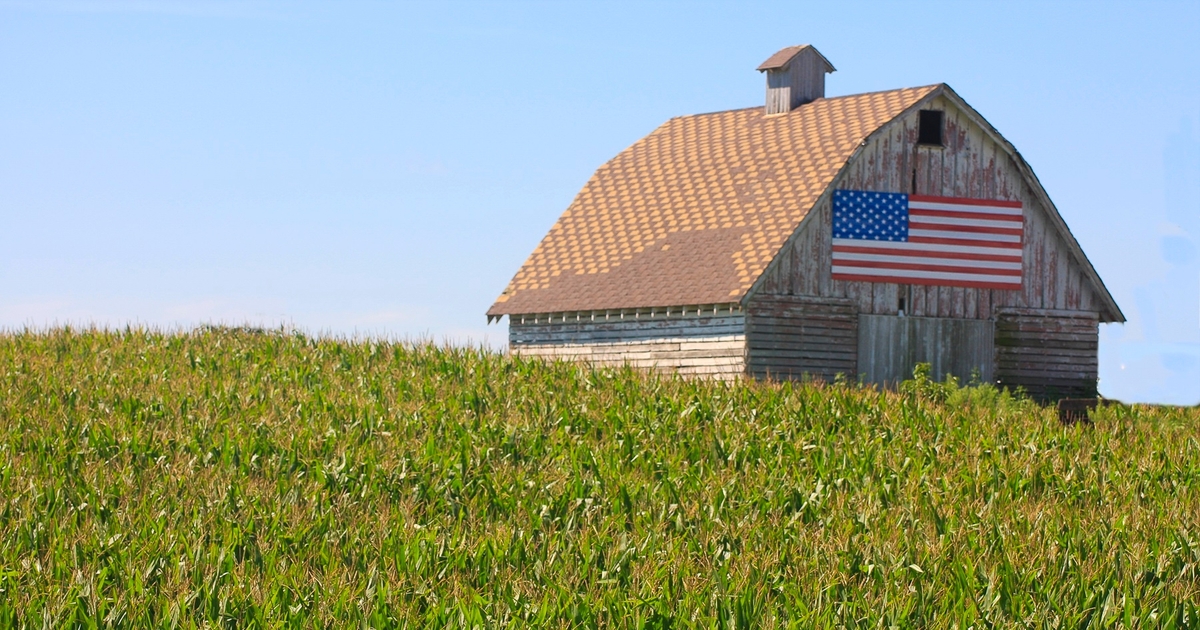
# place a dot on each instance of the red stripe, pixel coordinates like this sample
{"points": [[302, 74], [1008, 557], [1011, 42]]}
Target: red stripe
{"points": [[965, 215], [929, 282], [872, 264], [923, 253], [977, 229], [963, 241], [965, 201]]}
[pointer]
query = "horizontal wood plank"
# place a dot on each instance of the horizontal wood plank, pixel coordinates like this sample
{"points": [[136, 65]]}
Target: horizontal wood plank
{"points": [[799, 337], [703, 347], [1049, 354]]}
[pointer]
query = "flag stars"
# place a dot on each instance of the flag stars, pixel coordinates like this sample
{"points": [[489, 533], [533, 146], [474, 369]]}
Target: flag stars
{"points": [[870, 215]]}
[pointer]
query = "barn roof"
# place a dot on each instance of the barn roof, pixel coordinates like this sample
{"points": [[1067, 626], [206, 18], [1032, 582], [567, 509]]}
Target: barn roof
{"points": [[694, 212]]}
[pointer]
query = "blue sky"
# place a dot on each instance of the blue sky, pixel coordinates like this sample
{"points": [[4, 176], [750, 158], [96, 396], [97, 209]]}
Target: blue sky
{"points": [[384, 168]]}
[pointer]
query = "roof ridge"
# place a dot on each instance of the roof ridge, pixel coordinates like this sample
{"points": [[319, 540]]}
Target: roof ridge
{"points": [[826, 98]]}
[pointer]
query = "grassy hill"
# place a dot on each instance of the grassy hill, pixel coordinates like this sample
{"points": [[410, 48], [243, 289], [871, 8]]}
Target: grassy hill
{"points": [[242, 478]]}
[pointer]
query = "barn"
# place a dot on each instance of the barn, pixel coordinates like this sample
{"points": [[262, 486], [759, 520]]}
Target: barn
{"points": [[816, 236]]}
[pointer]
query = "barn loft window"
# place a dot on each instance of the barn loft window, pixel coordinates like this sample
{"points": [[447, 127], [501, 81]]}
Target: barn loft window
{"points": [[929, 127]]}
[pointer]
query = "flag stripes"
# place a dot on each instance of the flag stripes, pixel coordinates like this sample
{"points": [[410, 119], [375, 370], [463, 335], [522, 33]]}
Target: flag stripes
{"points": [[918, 239]]}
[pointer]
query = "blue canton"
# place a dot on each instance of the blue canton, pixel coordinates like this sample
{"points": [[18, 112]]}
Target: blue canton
{"points": [[870, 216]]}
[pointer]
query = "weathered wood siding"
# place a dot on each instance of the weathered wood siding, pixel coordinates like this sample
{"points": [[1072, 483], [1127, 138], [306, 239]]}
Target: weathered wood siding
{"points": [[1051, 354], [802, 81], [1050, 359], [889, 347], [712, 346], [972, 164], [788, 337]]}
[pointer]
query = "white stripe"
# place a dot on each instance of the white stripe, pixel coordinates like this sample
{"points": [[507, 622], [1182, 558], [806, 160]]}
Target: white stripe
{"points": [[954, 207], [929, 247], [925, 212], [953, 262], [970, 236], [918, 219], [927, 275]]}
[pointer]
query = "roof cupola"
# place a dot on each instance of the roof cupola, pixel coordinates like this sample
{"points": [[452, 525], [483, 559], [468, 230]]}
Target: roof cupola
{"points": [[795, 76]]}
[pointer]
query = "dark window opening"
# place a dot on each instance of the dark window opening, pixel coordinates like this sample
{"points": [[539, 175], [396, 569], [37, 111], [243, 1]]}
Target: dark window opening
{"points": [[902, 306], [929, 127]]}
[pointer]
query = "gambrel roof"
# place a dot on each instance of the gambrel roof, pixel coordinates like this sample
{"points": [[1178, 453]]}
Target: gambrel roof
{"points": [[694, 212]]}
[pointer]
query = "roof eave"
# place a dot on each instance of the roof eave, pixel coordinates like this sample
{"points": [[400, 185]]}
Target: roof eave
{"points": [[1111, 313]]}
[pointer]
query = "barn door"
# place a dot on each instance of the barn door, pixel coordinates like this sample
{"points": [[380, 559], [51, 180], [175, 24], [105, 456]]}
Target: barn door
{"points": [[889, 347]]}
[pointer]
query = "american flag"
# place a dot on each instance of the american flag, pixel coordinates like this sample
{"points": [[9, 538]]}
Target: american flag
{"points": [[917, 239]]}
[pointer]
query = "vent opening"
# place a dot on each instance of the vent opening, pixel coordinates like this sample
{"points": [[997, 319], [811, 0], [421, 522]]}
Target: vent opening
{"points": [[929, 127]]}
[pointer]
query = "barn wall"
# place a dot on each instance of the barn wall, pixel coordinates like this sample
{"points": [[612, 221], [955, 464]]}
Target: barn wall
{"points": [[970, 165], [791, 336], [1051, 354], [692, 345], [1050, 357], [890, 347]]}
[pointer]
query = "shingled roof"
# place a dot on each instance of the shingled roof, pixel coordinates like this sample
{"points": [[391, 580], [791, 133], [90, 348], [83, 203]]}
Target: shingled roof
{"points": [[694, 212]]}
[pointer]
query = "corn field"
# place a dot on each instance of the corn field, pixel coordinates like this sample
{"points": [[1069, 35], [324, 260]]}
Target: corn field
{"points": [[245, 478]]}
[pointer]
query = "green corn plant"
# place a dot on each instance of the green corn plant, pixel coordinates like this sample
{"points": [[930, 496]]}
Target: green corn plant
{"points": [[243, 477]]}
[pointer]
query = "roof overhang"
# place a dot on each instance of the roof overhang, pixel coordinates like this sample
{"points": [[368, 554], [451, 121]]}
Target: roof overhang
{"points": [[782, 58]]}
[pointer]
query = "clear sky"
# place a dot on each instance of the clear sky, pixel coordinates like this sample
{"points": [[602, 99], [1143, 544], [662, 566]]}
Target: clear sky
{"points": [[384, 168]]}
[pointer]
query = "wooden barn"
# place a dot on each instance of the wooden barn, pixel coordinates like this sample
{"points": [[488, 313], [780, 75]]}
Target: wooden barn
{"points": [[856, 235]]}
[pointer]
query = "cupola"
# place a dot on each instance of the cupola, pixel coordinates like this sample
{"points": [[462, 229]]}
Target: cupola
{"points": [[795, 76]]}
